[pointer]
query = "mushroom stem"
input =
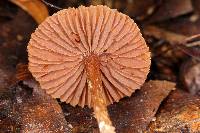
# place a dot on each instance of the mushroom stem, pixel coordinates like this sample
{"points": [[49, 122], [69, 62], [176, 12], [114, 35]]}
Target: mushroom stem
{"points": [[98, 98]]}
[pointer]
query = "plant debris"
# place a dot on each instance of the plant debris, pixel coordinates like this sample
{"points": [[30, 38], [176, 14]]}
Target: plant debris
{"points": [[179, 113], [27, 108], [41, 113]]}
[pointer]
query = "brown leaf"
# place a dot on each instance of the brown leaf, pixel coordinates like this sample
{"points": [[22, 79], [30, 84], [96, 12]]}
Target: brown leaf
{"points": [[180, 113], [160, 33], [130, 115], [22, 110], [34, 7], [41, 113], [171, 9], [187, 25]]}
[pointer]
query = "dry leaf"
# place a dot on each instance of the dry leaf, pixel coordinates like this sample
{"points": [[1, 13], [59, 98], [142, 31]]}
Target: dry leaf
{"points": [[160, 33], [34, 7], [180, 114], [170, 9], [41, 113], [27, 108], [133, 115]]}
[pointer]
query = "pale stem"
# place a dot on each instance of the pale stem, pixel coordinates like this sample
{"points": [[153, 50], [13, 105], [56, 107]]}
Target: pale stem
{"points": [[98, 98]]}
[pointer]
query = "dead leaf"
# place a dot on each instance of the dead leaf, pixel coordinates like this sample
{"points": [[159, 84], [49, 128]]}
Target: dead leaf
{"points": [[186, 25], [132, 115], [170, 9], [41, 113], [24, 110], [34, 7], [180, 113], [160, 33]]}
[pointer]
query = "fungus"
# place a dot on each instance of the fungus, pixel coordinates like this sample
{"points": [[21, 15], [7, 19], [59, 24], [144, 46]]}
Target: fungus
{"points": [[90, 56]]}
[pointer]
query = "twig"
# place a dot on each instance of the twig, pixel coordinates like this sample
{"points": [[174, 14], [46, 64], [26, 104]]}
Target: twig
{"points": [[51, 5]]}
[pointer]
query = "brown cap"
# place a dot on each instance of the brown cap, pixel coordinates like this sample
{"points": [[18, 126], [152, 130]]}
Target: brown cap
{"points": [[59, 45]]}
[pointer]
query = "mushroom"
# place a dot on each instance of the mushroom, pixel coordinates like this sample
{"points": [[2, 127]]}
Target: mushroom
{"points": [[90, 56]]}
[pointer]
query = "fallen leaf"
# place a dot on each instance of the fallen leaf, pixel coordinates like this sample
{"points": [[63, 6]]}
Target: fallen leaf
{"points": [[160, 33], [179, 113], [41, 113], [132, 115], [27, 108], [170, 9], [34, 7], [187, 25]]}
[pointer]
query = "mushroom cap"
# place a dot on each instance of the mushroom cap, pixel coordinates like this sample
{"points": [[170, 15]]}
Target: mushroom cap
{"points": [[60, 44]]}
